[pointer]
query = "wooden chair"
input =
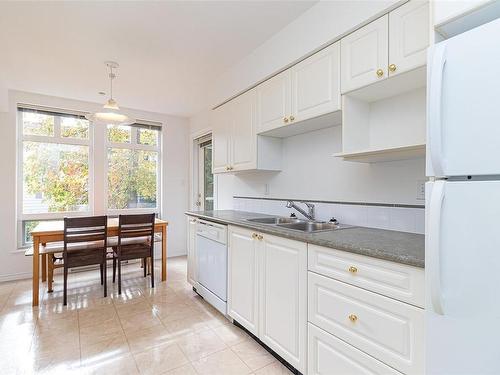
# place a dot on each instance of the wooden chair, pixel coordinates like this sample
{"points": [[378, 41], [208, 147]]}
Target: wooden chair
{"points": [[135, 241], [85, 243]]}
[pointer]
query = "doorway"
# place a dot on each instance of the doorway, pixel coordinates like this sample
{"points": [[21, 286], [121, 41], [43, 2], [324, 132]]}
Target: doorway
{"points": [[205, 189]]}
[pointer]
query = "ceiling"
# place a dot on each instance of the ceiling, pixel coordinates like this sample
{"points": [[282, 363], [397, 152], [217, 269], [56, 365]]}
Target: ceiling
{"points": [[169, 52]]}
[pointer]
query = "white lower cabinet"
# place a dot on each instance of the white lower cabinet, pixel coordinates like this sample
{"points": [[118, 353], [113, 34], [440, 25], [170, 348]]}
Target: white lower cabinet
{"points": [[328, 355], [283, 296], [191, 250], [243, 278], [267, 291], [388, 330]]}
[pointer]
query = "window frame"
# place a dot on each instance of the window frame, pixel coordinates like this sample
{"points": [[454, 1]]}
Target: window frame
{"points": [[134, 145], [55, 139]]}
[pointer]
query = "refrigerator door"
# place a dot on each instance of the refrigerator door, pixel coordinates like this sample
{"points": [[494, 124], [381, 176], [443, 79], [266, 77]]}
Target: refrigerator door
{"points": [[463, 108], [462, 260]]}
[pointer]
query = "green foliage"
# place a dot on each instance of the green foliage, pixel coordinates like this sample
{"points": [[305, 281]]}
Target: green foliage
{"points": [[147, 137], [74, 128], [119, 134], [38, 124], [59, 172], [131, 178]]}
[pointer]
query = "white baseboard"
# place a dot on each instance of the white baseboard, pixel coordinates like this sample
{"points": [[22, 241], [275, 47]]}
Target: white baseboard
{"points": [[15, 276]]}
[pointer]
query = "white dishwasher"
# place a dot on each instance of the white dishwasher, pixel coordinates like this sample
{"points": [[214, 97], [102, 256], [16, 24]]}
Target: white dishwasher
{"points": [[211, 263]]}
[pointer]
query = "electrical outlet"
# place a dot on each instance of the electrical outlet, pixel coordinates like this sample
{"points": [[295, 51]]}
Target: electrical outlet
{"points": [[421, 190]]}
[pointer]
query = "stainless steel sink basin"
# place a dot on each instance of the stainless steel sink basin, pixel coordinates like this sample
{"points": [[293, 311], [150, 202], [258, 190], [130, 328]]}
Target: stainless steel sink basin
{"points": [[274, 220], [310, 226]]}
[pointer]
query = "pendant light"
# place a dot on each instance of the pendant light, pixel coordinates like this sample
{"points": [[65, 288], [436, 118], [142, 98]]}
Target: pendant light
{"points": [[110, 113]]}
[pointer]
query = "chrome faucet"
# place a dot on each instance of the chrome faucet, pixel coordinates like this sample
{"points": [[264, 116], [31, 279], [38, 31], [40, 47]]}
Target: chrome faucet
{"points": [[310, 209]]}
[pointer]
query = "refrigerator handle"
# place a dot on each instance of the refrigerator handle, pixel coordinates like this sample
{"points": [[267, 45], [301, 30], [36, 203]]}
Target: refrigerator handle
{"points": [[434, 232], [437, 61]]}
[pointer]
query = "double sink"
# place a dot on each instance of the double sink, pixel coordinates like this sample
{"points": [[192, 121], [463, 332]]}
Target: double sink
{"points": [[297, 224]]}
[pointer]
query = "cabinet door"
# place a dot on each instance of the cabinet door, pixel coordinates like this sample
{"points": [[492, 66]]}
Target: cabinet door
{"points": [[363, 53], [243, 280], [243, 136], [330, 355], [274, 102], [221, 138], [316, 84], [191, 250], [283, 298], [408, 36]]}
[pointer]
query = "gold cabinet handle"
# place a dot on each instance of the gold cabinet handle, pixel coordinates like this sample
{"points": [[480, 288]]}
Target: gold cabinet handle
{"points": [[254, 235], [353, 318], [292, 118], [285, 120], [227, 167], [380, 73], [353, 269], [260, 237], [392, 67]]}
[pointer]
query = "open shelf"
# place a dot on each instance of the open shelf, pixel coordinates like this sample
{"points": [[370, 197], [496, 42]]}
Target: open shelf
{"points": [[385, 121], [385, 154]]}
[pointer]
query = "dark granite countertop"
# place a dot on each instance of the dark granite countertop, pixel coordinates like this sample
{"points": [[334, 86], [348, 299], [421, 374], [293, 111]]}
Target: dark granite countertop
{"points": [[400, 247]]}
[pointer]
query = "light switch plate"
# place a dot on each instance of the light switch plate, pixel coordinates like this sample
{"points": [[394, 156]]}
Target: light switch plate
{"points": [[421, 190]]}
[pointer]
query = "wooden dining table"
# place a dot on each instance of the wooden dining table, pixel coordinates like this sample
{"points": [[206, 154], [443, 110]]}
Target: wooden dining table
{"points": [[53, 231]]}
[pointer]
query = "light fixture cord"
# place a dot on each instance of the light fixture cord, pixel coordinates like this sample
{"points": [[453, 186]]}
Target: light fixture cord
{"points": [[111, 77]]}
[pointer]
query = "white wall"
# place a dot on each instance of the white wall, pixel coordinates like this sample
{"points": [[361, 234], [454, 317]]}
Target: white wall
{"points": [[311, 172], [175, 157]]}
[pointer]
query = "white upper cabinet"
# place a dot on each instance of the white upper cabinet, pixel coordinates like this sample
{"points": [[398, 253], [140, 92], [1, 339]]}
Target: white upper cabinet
{"points": [[408, 36], [243, 136], [316, 84], [274, 102], [364, 55], [222, 127], [388, 46], [236, 146]]}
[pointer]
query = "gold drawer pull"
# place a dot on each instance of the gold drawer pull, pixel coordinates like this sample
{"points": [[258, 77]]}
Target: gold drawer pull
{"points": [[392, 67], [260, 237], [285, 120], [255, 235], [353, 269], [380, 72], [353, 318], [292, 118]]}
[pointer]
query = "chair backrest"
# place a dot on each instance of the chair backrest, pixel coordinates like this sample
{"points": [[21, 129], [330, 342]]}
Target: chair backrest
{"points": [[133, 226], [85, 229]]}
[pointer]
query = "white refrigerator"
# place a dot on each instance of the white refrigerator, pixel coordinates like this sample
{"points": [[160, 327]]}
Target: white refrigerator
{"points": [[462, 255]]}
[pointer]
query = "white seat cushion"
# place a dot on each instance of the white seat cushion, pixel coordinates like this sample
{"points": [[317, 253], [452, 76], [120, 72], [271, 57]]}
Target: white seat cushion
{"points": [[58, 247], [113, 241]]}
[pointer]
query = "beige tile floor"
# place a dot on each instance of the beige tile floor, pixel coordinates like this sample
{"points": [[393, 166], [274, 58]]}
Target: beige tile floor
{"points": [[165, 330]]}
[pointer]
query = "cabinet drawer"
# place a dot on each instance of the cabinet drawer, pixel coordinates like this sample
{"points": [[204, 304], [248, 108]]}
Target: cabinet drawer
{"points": [[399, 281], [330, 355], [389, 330]]}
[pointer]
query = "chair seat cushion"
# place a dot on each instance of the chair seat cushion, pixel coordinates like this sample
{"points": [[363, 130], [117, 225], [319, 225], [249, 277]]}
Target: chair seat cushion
{"points": [[58, 247], [113, 241]]}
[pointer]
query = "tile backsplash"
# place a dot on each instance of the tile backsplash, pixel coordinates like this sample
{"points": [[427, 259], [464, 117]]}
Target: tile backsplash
{"points": [[404, 219]]}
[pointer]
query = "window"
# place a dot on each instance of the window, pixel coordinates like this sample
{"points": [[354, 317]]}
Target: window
{"points": [[61, 172], [205, 195], [55, 170], [133, 168]]}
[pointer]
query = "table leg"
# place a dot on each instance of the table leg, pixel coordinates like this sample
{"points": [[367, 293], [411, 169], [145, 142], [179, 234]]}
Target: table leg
{"points": [[164, 253], [36, 268], [44, 267]]}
